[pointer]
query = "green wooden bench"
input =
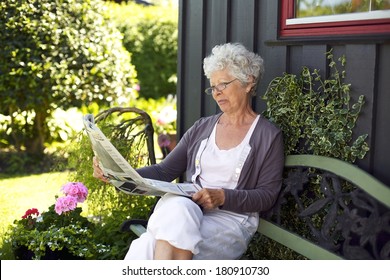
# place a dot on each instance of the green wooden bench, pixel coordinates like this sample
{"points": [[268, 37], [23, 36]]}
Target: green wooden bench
{"points": [[327, 209], [350, 220]]}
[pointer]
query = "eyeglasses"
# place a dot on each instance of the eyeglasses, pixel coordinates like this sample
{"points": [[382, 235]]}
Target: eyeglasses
{"points": [[219, 87]]}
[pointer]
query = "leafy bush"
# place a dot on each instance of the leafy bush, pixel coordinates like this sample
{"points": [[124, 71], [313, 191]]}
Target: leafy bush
{"points": [[109, 206], [56, 54], [150, 34], [18, 163], [162, 111], [61, 230], [315, 114]]}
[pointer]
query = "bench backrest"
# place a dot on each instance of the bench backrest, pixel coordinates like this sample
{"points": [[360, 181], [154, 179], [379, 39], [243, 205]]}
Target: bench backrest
{"points": [[340, 211], [131, 128]]}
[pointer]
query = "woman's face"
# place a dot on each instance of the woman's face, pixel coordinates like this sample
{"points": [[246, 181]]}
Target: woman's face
{"points": [[234, 97]]}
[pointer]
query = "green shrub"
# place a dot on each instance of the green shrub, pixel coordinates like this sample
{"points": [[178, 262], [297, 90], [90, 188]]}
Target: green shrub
{"points": [[19, 163], [150, 34], [61, 230], [315, 114], [108, 205], [56, 54], [71, 232]]}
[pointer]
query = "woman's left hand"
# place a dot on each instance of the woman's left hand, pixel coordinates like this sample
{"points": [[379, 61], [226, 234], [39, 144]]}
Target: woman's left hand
{"points": [[209, 198]]}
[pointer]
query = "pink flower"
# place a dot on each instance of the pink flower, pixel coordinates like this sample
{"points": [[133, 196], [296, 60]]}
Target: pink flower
{"points": [[163, 140], [65, 204], [137, 87], [75, 189]]}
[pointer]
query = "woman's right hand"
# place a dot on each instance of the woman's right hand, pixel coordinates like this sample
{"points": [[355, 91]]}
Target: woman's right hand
{"points": [[209, 198], [97, 171]]}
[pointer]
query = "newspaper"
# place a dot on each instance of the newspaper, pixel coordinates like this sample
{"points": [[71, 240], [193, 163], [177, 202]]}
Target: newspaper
{"points": [[120, 173]]}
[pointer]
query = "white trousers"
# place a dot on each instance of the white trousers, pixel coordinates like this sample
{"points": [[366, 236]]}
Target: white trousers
{"points": [[215, 234]]}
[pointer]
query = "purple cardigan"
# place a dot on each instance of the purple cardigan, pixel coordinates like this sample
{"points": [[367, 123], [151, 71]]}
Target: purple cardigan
{"points": [[261, 176]]}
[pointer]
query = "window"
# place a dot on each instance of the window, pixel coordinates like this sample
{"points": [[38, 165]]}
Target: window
{"points": [[303, 18]]}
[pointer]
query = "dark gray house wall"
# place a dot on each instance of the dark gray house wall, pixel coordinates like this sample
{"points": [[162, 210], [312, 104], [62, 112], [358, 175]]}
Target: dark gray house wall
{"points": [[205, 23]]}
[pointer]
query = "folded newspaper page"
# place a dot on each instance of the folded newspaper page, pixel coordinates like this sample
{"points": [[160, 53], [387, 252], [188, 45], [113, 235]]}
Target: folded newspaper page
{"points": [[120, 173]]}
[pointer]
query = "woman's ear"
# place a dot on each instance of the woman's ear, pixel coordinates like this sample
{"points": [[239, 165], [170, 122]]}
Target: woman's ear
{"points": [[251, 84]]}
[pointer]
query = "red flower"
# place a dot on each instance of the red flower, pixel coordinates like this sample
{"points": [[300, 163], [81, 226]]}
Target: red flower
{"points": [[30, 212]]}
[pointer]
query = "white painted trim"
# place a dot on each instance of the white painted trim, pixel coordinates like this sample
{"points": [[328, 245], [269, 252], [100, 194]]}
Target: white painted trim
{"points": [[383, 14]]}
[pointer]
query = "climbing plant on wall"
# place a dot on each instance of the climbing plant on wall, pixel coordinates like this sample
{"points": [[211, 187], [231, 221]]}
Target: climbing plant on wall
{"points": [[317, 115]]}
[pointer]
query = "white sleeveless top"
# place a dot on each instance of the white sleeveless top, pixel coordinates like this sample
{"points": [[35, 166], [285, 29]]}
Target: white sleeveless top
{"points": [[222, 168]]}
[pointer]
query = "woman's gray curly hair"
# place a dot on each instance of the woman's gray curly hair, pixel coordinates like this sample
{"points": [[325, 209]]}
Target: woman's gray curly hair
{"points": [[234, 57]]}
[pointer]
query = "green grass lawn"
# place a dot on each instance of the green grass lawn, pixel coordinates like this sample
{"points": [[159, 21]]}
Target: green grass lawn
{"points": [[21, 193]]}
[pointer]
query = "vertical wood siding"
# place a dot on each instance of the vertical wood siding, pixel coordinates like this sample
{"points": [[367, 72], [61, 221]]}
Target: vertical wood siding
{"points": [[205, 23]]}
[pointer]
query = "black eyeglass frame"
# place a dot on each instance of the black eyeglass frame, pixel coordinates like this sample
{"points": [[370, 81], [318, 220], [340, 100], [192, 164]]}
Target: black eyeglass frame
{"points": [[219, 87]]}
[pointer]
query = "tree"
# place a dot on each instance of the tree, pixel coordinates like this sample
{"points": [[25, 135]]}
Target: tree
{"points": [[150, 34], [57, 54]]}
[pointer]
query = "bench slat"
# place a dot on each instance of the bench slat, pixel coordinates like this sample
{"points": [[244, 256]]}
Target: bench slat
{"points": [[345, 170], [295, 242], [137, 229]]}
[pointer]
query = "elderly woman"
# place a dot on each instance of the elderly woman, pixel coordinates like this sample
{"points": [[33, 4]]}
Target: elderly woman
{"points": [[236, 156]]}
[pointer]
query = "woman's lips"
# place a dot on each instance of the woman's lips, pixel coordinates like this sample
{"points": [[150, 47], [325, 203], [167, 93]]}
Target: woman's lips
{"points": [[222, 101]]}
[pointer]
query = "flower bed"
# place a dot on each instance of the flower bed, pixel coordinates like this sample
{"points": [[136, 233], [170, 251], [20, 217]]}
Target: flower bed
{"points": [[61, 232]]}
